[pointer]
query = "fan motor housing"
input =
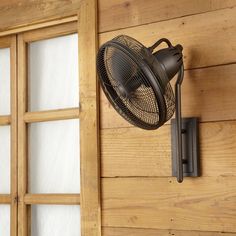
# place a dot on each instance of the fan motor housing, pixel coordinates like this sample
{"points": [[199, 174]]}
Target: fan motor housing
{"points": [[170, 59]]}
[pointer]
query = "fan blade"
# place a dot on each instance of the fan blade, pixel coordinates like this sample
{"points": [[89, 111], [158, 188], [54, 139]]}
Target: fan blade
{"points": [[124, 71]]}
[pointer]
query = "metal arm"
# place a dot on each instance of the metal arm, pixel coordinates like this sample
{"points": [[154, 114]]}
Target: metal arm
{"points": [[167, 41], [179, 125]]}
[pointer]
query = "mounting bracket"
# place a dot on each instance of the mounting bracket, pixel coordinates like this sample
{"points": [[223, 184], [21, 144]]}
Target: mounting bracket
{"points": [[190, 147]]}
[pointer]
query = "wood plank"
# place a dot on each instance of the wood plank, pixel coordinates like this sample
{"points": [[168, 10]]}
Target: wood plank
{"points": [[50, 32], [5, 120], [115, 231], [137, 152], [127, 13], [203, 204], [13, 118], [38, 26], [54, 199], [89, 120], [112, 14], [16, 13], [61, 114], [202, 41], [5, 199], [22, 137], [5, 42], [207, 93]]}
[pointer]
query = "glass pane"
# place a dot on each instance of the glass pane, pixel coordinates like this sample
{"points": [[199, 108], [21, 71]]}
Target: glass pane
{"points": [[54, 157], [55, 220], [4, 81], [53, 73], [5, 159], [5, 220]]}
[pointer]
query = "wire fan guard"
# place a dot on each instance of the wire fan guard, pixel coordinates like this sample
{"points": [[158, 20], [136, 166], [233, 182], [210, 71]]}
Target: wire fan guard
{"points": [[139, 92]]}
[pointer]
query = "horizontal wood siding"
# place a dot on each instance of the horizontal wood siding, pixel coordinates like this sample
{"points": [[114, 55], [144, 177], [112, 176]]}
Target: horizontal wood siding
{"points": [[116, 231], [126, 13], [136, 152], [208, 39], [203, 204], [139, 196], [17, 13], [207, 93], [112, 14]]}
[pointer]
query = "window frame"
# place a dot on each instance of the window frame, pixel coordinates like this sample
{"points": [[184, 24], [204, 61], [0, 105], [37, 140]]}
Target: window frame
{"points": [[89, 199], [11, 119]]}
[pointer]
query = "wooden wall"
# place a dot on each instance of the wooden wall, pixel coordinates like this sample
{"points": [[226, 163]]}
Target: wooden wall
{"points": [[139, 196]]}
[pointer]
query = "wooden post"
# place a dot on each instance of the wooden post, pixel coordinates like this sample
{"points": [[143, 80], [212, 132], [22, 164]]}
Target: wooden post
{"points": [[89, 121]]}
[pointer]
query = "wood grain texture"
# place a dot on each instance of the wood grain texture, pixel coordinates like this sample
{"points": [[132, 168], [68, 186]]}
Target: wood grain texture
{"points": [[127, 13], [17, 13], [61, 114], [201, 35], [50, 32], [202, 204], [14, 133], [5, 42], [5, 199], [137, 152], [22, 137], [38, 26], [11, 119], [115, 231], [112, 14], [89, 120], [207, 93], [5, 120], [52, 199]]}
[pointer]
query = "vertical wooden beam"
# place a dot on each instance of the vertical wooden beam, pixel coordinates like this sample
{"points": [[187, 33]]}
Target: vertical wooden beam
{"points": [[22, 136], [89, 120], [13, 60]]}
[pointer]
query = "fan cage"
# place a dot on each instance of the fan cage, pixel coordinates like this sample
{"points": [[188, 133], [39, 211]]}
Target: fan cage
{"points": [[143, 108]]}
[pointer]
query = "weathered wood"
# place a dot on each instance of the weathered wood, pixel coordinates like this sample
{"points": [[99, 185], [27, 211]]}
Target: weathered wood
{"points": [[5, 198], [5, 120], [112, 14], [38, 26], [115, 231], [13, 121], [126, 13], [5, 42], [52, 199], [89, 122], [212, 198], [137, 152], [201, 35], [203, 204], [17, 13], [50, 32], [61, 114], [22, 137], [207, 93]]}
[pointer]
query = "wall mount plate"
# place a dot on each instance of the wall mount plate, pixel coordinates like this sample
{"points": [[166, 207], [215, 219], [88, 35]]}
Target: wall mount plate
{"points": [[190, 147]]}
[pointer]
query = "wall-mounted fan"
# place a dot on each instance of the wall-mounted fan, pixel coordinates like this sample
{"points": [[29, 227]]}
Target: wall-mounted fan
{"points": [[136, 81]]}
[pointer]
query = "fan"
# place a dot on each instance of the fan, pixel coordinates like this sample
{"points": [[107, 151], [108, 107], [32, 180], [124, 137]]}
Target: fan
{"points": [[136, 81]]}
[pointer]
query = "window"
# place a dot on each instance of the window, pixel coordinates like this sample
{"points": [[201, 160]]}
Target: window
{"points": [[49, 167], [49, 130]]}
